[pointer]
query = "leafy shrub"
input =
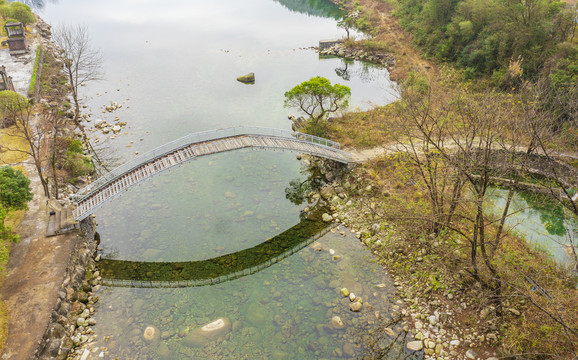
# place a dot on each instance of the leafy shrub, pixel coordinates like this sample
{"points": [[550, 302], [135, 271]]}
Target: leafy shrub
{"points": [[76, 163]]}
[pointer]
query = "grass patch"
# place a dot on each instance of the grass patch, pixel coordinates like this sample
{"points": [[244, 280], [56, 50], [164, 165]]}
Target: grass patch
{"points": [[14, 145], [34, 72], [3, 325], [362, 129]]}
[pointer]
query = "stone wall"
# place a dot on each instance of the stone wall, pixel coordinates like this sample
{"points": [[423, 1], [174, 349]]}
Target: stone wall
{"points": [[326, 44], [74, 300]]}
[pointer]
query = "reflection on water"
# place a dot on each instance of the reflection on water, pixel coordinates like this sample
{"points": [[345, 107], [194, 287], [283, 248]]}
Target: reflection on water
{"points": [[218, 269], [542, 221], [320, 8]]}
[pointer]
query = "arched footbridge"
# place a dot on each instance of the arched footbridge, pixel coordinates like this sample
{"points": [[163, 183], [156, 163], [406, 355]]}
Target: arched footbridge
{"points": [[189, 147]]}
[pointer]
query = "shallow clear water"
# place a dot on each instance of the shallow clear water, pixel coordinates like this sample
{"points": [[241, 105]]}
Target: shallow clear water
{"points": [[543, 223], [282, 312], [173, 67]]}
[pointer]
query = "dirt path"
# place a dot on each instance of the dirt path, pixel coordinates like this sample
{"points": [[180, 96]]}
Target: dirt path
{"points": [[363, 155], [35, 273], [389, 32]]}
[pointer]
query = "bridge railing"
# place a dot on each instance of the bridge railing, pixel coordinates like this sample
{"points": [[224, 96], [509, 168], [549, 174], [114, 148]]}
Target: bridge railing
{"points": [[196, 138]]}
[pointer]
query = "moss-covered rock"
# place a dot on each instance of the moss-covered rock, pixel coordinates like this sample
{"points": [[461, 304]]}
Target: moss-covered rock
{"points": [[247, 79]]}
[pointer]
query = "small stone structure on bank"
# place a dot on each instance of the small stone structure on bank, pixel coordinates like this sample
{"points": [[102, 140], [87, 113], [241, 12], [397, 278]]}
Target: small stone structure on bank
{"points": [[327, 44], [16, 38], [339, 49]]}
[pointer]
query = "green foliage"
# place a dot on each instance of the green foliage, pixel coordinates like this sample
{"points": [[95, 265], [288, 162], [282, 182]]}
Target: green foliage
{"points": [[12, 103], [484, 36], [75, 146], [15, 193], [6, 233], [416, 84], [76, 162], [15, 190], [21, 12], [317, 98]]}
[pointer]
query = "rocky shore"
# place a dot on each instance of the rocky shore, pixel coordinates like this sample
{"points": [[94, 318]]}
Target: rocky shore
{"points": [[433, 316], [352, 53]]}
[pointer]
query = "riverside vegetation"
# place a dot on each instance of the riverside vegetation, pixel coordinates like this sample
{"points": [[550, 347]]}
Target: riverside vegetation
{"points": [[41, 130], [480, 103]]}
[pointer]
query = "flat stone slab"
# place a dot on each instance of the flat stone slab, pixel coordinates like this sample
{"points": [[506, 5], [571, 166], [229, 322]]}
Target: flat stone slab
{"points": [[20, 67]]}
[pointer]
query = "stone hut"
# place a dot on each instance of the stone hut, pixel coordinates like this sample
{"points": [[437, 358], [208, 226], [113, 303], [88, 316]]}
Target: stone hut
{"points": [[16, 38]]}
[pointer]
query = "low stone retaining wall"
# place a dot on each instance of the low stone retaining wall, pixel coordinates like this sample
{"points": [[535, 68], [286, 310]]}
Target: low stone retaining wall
{"points": [[340, 50], [75, 299], [326, 44]]}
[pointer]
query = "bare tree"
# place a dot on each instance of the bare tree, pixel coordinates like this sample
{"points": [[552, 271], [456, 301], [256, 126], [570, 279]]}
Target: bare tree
{"points": [[18, 110], [53, 122], [479, 138], [453, 143], [82, 62]]}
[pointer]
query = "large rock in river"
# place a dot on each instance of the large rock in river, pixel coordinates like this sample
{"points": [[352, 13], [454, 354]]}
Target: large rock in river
{"points": [[247, 79], [211, 331]]}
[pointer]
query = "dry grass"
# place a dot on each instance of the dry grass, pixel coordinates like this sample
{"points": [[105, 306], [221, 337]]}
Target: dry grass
{"points": [[3, 325], [534, 331], [10, 140], [362, 129]]}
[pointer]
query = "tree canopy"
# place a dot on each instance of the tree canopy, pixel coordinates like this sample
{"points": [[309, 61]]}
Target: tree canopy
{"points": [[15, 190], [18, 11], [317, 98], [11, 101], [507, 39]]}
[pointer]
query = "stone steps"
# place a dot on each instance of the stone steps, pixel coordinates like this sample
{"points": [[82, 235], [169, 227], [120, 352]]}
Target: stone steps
{"points": [[60, 222]]}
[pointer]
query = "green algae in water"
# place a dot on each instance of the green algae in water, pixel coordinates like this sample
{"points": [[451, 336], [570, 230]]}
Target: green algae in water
{"points": [[215, 270], [543, 222]]}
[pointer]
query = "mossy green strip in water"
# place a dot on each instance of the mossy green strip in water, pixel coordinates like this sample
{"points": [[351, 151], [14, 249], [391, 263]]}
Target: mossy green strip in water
{"points": [[215, 270]]}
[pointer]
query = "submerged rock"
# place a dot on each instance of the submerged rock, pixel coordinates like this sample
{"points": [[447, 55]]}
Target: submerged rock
{"points": [[211, 331], [337, 322], [356, 306], [151, 334], [163, 351]]}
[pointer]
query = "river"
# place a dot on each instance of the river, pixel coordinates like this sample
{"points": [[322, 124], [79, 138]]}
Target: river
{"points": [[173, 68]]}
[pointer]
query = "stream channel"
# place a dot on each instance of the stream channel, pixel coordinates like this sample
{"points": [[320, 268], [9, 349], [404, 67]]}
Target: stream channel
{"points": [[173, 68]]}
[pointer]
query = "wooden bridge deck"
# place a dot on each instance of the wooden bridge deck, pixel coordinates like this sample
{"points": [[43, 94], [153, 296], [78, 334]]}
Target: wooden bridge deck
{"points": [[95, 197]]}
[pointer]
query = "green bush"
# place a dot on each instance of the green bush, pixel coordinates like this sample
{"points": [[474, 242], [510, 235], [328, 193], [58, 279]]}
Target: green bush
{"points": [[76, 163], [75, 146], [21, 12]]}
